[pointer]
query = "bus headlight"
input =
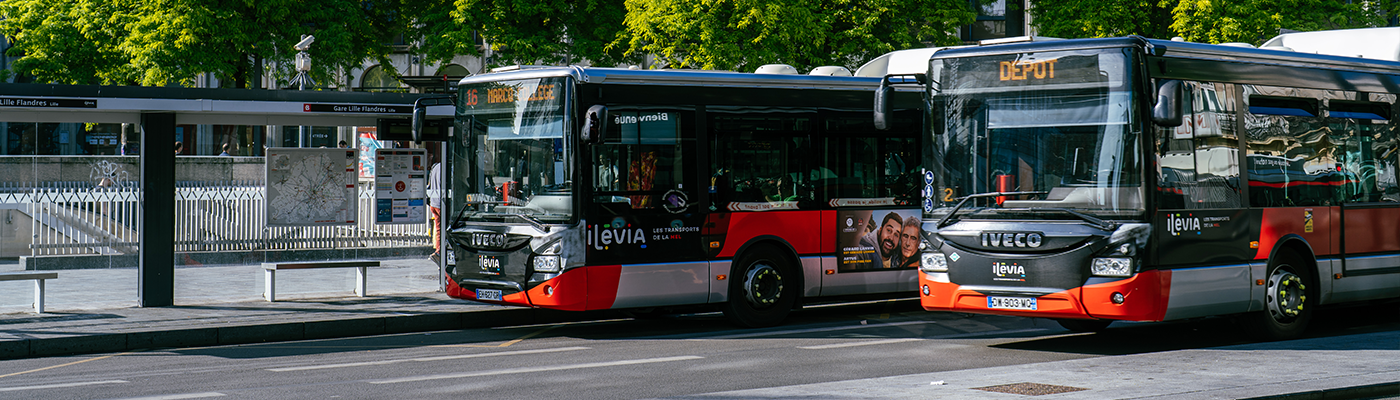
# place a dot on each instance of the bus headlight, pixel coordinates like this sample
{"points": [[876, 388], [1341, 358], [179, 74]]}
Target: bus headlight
{"points": [[1112, 266], [933, 262], [547, 263], [548, 259]]}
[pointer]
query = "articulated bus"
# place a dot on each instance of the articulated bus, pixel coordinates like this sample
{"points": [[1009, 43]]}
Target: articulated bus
{"points": [[653, 191], [1134, 179]]}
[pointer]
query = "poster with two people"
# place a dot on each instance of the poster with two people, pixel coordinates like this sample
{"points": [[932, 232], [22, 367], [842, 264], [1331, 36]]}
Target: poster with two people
{"points": [[869, 240]]}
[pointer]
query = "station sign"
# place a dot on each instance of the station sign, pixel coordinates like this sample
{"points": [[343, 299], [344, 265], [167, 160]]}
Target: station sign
{"points": [[47, 103]]}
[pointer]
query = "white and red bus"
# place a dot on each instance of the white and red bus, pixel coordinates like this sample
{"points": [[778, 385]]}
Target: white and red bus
{"points": [[1134, 179], [655, 191]]}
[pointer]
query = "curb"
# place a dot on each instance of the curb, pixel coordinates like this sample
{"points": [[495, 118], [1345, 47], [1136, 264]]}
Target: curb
{"points": [[1355, 392], [283, 332]]}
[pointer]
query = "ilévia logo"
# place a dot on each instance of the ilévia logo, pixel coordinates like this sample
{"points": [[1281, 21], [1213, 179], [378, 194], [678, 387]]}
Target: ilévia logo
{"points": [[1177, 224], [1005, 271]]}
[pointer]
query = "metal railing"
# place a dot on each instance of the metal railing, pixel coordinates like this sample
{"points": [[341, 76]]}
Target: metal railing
{"points": [[209, 217]]}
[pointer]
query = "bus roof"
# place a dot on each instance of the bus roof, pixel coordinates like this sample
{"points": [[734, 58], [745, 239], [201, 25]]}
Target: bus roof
{"points": [[683, 77], [1209, 62]]}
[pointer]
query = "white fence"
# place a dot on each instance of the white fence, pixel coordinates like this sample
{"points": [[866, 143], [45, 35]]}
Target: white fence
{"points": [[208, 218]]}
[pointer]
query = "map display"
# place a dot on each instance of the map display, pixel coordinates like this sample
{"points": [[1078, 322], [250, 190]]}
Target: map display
{"points": [[311, 187], [399, 192]]}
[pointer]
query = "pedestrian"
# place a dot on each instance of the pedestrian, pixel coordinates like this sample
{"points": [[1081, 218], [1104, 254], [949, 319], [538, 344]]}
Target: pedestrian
{"points": [[226, 149], [435, 207], [178, 147]]}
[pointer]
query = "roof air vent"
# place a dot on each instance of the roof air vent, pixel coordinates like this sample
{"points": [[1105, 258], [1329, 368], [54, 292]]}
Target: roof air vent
{"points": [[782, 69], [830, 70]]}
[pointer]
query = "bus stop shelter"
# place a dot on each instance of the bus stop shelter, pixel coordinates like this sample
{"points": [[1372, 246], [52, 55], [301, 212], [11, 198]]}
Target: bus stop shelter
{"points": [[158, 110]]}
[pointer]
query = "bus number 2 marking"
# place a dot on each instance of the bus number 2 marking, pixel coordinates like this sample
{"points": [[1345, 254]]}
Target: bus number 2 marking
{"points": [[948, 194]]}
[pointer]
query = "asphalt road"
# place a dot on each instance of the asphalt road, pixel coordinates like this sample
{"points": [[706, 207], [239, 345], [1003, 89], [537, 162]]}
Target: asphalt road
{"points": [[624, 358]]}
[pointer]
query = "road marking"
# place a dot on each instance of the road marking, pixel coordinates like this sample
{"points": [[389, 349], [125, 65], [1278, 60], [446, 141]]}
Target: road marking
{"points": [[65, 365], [986, 333], [812, 330], [59, 385], [506, 344], [854, 344], [537, 369], [438, 358], [178, 396]]}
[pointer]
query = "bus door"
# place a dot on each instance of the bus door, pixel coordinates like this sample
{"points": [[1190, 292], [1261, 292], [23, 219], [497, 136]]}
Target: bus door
{"points": [[643, 215], [1370, 220]]}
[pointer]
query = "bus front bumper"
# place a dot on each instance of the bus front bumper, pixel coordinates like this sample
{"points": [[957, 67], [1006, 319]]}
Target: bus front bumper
{"points": [[1144, 298]]}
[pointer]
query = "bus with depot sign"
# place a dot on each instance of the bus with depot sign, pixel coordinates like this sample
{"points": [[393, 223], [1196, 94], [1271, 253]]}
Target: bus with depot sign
{"points": [[659, 191], [1134, 179]]}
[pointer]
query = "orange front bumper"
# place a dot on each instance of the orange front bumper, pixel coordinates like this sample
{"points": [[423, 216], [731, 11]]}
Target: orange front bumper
{"points": [[1145, 299]]}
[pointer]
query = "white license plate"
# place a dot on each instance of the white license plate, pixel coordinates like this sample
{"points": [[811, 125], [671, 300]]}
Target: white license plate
{"points": [[488, 294], [1011, 303]]}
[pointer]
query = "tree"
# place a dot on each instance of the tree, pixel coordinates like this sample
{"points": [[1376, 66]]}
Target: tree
{"points": [[163, 42], [1102, 18], [524, 31], [1254, 21], [744, 34], [72, 42]]}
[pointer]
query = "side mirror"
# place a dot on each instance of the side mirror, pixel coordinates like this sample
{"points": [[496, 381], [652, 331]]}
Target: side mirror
{"points": [[1167, 113], [595, 122], [882, 105], [420, 113]]}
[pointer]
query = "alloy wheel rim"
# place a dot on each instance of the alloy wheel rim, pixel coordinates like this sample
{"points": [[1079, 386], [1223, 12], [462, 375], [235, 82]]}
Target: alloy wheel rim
{"points": [[1286, 296], [762, 285]]}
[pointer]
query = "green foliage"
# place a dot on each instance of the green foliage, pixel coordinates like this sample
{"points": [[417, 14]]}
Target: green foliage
{"points": [[1254, 21], [744, 34], [171, 42], [1102, 18], [524, 31]]}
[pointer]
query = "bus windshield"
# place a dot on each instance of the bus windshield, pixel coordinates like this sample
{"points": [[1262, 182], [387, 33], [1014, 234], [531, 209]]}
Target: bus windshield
{"points": [[1057, 126], [510, 164]]}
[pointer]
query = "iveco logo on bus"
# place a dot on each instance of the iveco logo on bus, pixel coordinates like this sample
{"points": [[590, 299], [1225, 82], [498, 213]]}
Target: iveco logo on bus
{"points": [[487, 239], [1012, 239]]}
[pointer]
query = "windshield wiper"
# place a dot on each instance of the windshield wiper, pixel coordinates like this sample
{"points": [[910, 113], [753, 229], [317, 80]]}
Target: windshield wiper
{"points": [[1101, 223], [948, 219], [535, 222]]}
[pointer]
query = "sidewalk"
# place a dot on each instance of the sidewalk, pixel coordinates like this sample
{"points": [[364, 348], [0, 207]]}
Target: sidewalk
{"points": [[94, 311]]}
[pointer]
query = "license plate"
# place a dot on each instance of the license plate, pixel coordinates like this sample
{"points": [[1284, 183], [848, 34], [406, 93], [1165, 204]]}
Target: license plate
{"points": [[488, 294], [490, 265], [1011, 303]]}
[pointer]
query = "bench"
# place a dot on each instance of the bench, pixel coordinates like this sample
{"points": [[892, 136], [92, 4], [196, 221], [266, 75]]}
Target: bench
{"points": [[270, 273], [38, 278]]}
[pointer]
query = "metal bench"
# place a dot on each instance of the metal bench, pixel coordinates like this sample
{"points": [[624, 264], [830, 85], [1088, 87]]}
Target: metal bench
{"points": [[270, 273], [38, 278]]}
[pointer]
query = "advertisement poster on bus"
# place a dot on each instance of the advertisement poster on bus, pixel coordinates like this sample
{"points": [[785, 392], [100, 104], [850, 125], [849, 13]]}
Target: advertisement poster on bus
{"points": [[399, 186], [870, 240]]}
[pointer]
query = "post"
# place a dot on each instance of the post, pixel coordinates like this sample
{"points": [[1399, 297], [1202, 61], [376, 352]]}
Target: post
{"points": [[270, 284], [361, 286], [39, 296], [155, 283]]}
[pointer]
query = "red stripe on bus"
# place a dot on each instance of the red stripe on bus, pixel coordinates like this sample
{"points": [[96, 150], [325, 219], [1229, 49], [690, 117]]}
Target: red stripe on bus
{"points": [[1145, 299], [1275, 223], [602, 286], [801, 229]]}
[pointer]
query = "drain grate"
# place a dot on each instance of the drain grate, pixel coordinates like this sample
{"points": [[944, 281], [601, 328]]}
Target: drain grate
{"points": [[1031, 389]]}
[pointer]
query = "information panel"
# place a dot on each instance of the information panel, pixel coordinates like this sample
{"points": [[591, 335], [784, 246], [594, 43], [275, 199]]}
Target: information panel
{"points": [[399, 192], [311, 187]]}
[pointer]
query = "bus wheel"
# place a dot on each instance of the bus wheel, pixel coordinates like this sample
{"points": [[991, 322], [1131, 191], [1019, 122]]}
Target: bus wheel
{"points": [[1085, 325], [761, 292], [1286, 306]]}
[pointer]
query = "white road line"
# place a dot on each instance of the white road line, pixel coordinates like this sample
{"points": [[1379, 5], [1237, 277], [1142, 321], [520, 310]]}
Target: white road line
{"points": [[536, 369], [59, 385], [179, 396], [811, 330], [854, 344], [437, 358]]}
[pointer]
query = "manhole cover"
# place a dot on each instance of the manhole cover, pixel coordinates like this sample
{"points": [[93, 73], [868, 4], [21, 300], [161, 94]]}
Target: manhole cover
{"points": [[1031, 389]]}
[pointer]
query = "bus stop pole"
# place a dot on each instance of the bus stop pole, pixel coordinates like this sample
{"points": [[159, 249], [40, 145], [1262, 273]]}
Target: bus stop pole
{"points": [[155, 284]]}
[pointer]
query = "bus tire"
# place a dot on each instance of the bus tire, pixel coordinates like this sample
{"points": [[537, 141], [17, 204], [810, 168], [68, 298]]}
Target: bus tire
{"points": [[1287, 307], [761, 288], [1085, 325]]}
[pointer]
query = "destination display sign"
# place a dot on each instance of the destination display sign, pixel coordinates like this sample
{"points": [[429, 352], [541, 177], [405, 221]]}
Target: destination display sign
{"points": [[1020, 70], [47, 103], [507, 96], [357, 108]]}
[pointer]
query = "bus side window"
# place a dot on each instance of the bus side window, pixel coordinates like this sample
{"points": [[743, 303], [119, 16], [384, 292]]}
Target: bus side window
{"points": [[639, 159], [1291, 160], [1362, 131], [759, 159], [1199, 161]]}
